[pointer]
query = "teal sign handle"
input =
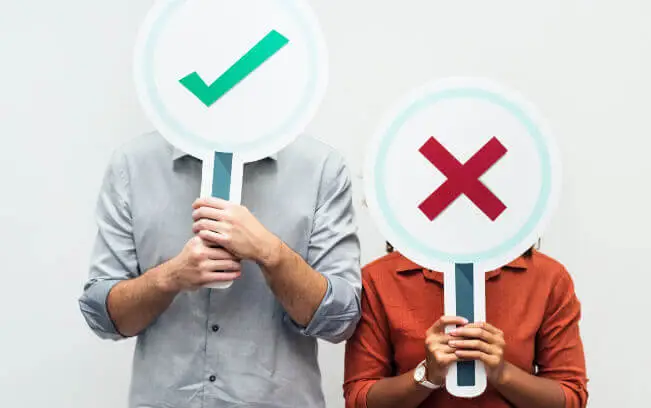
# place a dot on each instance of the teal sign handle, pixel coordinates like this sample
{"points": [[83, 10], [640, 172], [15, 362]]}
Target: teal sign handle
{"points": [[221, 180], [464, 280]]}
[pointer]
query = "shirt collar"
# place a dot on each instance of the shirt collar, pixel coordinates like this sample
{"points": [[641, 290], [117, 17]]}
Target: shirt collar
{"points": [[404, 265], [178, 154]]}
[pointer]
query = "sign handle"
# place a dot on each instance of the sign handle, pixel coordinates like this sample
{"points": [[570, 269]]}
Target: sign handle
{"points": [[222, 177], [465, 296]]}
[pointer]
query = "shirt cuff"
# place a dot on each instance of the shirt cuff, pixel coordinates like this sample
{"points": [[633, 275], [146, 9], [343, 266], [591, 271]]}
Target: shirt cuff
{"points": [[360, 398], [311, 328], [95, 310], [574, 398], [337, 315]]}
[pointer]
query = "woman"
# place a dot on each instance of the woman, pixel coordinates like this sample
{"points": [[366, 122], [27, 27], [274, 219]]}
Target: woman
{"points": [[531, 347]]}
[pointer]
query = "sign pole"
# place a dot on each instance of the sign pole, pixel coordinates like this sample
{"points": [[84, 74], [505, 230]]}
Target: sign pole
{"points": [[465, 297], [222, 177]]}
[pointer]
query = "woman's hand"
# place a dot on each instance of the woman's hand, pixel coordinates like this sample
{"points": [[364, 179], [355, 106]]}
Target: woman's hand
{"points": [[483, 342], [439, 353]]}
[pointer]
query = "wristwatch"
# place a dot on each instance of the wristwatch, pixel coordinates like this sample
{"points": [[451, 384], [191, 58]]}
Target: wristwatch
{"points": [[420, 376]]}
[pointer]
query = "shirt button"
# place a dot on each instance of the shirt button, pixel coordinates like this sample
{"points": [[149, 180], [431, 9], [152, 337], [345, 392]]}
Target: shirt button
{"points": [[215, 328], [212, 378]]}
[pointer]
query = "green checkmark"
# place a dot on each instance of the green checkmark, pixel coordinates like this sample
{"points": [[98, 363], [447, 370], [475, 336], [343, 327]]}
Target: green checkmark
{"points": [[254, 58]]}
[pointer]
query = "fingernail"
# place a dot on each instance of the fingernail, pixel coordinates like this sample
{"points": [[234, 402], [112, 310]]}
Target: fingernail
{"points": [[465, 321], [453, 343]]}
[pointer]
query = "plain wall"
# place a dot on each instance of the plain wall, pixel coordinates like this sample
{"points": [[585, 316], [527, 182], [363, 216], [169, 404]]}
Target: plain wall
{"points": [[67, 100]]}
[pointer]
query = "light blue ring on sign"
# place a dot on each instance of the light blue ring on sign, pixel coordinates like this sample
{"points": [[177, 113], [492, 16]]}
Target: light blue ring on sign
{"points": [[541, 203], [198, 141]]}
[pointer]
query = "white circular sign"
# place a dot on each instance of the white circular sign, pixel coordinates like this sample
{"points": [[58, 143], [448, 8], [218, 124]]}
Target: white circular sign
{"points": [[463, 171], [242, 77]]}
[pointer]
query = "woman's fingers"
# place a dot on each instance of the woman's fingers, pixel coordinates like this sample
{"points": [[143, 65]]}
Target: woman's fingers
{"points": [[477, 345], [439, 325], [442, 346], [488, 359], [474, 333], [434, 339], [445, 359], [486, 326]]}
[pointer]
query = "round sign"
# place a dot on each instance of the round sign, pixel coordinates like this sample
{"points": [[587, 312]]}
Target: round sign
{"points": [[463, 171], [242, 77]]}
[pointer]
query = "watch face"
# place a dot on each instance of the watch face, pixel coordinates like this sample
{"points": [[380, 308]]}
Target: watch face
{"points": [[420, 373]]}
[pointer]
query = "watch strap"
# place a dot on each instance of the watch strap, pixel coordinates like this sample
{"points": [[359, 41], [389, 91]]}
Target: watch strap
{"points": [[424, 382]]}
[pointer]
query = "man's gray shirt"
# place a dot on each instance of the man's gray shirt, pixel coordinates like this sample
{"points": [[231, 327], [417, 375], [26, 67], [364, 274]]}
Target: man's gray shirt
{"points": [[236, 347]]}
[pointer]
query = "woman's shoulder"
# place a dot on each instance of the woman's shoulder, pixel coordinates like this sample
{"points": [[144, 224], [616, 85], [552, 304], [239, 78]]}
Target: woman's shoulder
{"points": [[548, 268], [389, 264]]}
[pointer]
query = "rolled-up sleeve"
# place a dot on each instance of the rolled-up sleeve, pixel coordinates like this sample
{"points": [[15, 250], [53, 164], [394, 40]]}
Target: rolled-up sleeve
{"points": [[334, 252], [114, 256], [559, 353], [368, 352]]}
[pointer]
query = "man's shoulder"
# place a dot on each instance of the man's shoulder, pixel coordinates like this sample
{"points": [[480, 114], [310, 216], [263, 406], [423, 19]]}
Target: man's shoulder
{"points": [[304, 150], [310, 150], [146, 146], [310, 156]]}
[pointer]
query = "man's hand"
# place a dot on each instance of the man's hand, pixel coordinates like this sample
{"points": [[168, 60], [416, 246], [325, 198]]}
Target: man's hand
{"points": [[481, 341], [198, 265], [440, 355], [234, 228]]}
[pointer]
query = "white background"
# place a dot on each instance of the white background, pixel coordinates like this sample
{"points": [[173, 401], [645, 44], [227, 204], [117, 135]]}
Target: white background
{"points": [[67, 100]]}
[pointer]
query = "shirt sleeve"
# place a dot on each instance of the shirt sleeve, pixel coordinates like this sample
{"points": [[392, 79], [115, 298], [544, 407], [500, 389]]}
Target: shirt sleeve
{"points": [[113, 257], [334, 252], [368, 352], [559, 349]]}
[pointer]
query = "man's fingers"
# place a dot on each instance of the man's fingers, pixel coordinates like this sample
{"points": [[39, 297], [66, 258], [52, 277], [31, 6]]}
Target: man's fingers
{"points": [[214, 238], [221, 266], [209, 213], [211, 277], [211, 225], [220, 254], [213, 202], [439, 325]]}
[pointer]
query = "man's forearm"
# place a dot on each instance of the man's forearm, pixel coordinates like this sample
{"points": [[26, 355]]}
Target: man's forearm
{"points": [[134, 304], [401, 391], [525, 390], [299, 288]]}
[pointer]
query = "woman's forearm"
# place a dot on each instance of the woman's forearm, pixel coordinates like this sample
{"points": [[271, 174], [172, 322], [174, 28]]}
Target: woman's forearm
{"points": [[401, 391], [525, 390]]}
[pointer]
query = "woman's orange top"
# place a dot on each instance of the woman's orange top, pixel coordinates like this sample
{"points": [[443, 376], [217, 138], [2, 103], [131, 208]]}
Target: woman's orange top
{"points": [[531, 300]]}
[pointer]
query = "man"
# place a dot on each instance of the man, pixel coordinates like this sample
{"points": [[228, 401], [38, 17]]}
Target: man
{"points": [[294, 245]]}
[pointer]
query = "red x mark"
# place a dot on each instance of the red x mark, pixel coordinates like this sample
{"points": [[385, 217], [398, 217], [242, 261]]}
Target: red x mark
{"points": [[463, 178]]}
